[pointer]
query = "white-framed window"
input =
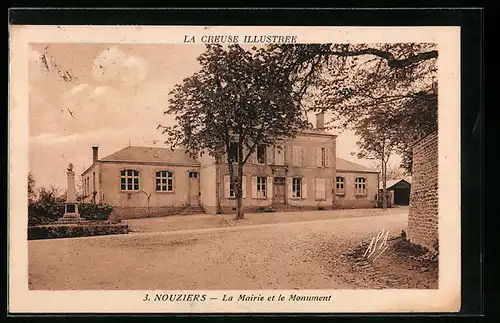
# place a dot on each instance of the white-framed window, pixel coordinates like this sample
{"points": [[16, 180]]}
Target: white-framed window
{"points": [[322, 157], [360, 185], [296, 187], [164, 181], [339, 185], [320, 188], [261, 187], [129, 180], [229, 188], [279, 155], [261, 154]]}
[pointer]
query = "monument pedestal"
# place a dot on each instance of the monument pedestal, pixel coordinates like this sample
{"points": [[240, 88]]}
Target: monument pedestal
{"points": [[71, 215]]}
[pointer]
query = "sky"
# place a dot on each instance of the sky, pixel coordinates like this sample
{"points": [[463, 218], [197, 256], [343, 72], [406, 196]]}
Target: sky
{"points": [[115, 95]]}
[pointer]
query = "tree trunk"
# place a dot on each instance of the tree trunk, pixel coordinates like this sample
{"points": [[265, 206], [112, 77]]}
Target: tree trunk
{"points": [[239, 192], [384, 184]]}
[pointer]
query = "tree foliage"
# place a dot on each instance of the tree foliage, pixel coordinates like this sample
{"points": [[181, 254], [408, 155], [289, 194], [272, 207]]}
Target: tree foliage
{"points": [[241, 97], [393, 172], [353, 81]]}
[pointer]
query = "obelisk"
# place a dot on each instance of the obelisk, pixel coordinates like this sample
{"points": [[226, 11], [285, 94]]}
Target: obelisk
{"points": [[71, 205]]}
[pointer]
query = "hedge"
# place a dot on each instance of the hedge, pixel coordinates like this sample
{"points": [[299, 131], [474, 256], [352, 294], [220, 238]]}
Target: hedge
{"points": [[46, 212], [70, 231]]}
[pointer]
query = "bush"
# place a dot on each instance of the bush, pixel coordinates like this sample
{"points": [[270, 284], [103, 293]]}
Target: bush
{"points": [[47, 208], [93, 212]]}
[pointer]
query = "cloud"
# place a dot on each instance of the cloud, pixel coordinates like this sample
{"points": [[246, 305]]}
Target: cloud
{"points": [[113, 66]]}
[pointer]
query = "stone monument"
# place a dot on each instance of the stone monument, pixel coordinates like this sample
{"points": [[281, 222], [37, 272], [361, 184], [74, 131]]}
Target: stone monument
{"points": [[70, 206]]}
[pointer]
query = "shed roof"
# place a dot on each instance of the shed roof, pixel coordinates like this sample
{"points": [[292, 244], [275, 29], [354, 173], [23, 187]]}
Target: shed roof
{"points": [[391, 183]]}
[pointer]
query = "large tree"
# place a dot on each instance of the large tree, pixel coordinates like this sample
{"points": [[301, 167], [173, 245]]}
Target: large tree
{"points": [[352, 81], [392, 171], [376, 142], [238, 100]]}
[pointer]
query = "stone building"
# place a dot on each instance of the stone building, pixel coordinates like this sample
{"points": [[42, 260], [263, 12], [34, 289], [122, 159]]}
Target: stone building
{"points": [[356, 185], [142, 181], [299, 173], [423, 215]]}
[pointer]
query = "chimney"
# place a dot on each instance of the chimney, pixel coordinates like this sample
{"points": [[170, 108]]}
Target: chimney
{"points": [[320, 121], [95, 154]]}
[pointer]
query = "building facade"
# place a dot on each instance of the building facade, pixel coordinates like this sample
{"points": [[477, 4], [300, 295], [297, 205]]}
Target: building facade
{"points": [[300, 173], [356, 185]]}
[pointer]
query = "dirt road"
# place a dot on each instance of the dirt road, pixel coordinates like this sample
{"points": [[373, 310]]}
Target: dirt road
{"points": [[263, 256]]}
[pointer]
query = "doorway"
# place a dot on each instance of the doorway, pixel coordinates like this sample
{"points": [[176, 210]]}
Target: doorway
{"points": [[279, 191], [194, 188]]}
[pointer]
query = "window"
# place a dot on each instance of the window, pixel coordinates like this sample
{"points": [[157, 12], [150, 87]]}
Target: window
{"points": [[322, 157], [279, 155], [164, 181], [233, 152], [296, 187], [93, 182], [129, 180], [339, 185], [193, 174], [360, 185], [261, 187], [261, 154], [84, 187], [229, 188]]}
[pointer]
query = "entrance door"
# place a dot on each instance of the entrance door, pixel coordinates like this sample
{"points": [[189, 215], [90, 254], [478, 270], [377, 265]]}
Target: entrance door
{"points": [[279, 191], [194, 189]]}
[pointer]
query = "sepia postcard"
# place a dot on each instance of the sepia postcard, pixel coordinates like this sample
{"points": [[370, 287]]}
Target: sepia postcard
{"points": [[212, 169]]}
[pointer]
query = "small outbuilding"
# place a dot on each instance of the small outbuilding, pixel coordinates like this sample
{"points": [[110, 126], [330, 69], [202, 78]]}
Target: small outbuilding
{"points": [[401, 191]]}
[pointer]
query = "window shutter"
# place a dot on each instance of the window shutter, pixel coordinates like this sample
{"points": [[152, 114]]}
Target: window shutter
{"points": [[269, 184], [269, 155], [321, 188], [279, 155], [316, 189], [244, 187], [302, 160], [254, 156], [327, 157], [289, 184], [304, 188], [254, 187], [318, 156], [294, 155], [226, 186]]}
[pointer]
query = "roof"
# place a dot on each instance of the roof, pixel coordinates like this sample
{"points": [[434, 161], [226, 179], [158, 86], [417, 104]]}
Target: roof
{"points": [[390, 184], [151, 154], [345, 165], [316, 132]]}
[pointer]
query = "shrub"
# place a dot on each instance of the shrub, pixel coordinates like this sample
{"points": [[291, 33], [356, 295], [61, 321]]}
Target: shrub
{"points": [[69, 231], [93, 212]]}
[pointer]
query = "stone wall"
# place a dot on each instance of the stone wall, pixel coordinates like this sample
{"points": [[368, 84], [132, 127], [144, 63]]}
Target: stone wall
{"points": [[423, 214]]}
